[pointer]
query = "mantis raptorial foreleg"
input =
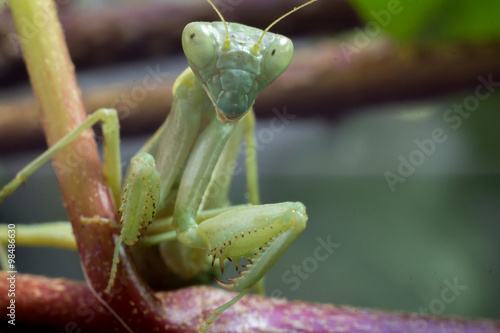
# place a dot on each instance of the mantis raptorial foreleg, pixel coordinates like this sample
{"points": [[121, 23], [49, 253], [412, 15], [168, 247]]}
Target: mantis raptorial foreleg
{"points": [[140, 197]]}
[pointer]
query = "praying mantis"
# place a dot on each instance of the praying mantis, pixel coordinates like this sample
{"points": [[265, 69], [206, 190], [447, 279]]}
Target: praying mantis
{"points": [[182, 174]]}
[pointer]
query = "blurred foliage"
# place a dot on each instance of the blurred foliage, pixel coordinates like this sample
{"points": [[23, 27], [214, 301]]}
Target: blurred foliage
{"points": [[483, 127], [460, 20]]}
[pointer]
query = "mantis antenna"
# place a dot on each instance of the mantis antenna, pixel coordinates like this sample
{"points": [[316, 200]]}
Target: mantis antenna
{"points": [[257, 46], [226, 41]]}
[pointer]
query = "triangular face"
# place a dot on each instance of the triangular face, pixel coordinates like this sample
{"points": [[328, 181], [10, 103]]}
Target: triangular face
{"points": [[233, 74]]}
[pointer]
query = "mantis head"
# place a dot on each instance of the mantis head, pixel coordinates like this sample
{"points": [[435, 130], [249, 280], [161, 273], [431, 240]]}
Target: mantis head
{"points": [[235, 62], [233, 71]]}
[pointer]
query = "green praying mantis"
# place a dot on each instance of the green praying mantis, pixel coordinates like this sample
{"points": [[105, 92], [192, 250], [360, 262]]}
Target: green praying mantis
{"points": [[182, 174]]}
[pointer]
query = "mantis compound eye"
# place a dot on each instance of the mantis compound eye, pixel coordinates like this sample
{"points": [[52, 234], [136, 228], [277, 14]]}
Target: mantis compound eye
{"points": [[277, 58], [199, 45]]}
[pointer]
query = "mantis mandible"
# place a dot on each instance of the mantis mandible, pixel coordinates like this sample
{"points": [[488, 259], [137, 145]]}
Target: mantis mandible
{"points": [[174, 175]]}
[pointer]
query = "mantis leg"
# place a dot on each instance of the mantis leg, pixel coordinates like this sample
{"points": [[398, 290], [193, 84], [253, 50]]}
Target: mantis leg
{"points": [[59, 234], [51, 234], [218, 190], [112, 172], [221, 309], [252, 175], [196, 177], [139, 200], [251, 159], [262, 233], [112, 168], [141, 195]]}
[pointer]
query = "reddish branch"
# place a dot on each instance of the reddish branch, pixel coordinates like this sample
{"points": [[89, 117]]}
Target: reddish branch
{"points": [[66, 305]]}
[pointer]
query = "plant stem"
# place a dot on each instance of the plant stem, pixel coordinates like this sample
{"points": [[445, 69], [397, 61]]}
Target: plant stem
{"points": [[61, 109]]}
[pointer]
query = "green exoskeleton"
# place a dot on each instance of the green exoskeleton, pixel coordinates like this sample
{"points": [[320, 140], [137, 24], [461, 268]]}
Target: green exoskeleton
{"points": [[183, 172]]}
